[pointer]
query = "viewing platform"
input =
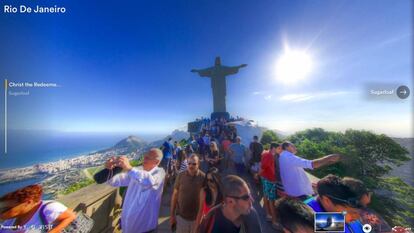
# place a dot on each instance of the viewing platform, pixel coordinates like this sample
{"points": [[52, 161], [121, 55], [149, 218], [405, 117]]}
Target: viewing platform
{"points": [[103, 204]]}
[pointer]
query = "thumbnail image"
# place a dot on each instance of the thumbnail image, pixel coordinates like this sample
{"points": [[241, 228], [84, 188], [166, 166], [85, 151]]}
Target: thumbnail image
{"points": [[329, 222]]}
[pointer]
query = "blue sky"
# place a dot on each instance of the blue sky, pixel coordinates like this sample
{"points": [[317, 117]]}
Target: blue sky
{"points": [[125, 66]]}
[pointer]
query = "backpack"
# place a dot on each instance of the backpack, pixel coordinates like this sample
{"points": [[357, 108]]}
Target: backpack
{"points": [[81, 224], [314, 204], [354, 227], [351, 227]]}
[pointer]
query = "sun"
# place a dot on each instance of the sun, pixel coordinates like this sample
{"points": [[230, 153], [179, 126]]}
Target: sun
{"points": [[293, 66]]}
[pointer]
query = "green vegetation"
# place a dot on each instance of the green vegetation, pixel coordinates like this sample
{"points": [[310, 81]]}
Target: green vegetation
{"points": [[368, 157], [76, 186], [400, 208], [268, 137], [92, 170], [137, 162], [183, 143]]}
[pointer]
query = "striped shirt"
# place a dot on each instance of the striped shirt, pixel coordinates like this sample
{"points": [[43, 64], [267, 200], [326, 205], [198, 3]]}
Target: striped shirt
{"points": [[183, 166]]}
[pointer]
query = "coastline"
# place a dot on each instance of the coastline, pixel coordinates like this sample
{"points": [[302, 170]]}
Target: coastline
{"points": [[55, 176], [67, 156], [57, 161], [50, 168]]}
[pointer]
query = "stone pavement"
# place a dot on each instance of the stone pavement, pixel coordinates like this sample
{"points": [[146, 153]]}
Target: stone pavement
{"points": [[163, 220]]}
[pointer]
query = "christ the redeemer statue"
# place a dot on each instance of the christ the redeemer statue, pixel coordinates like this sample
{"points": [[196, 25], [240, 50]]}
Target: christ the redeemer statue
{"points": [[218, 74]]}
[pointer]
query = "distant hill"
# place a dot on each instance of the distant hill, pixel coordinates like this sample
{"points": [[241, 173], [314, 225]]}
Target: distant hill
{"points": [[406, 142], [405, 171], [130, 144], [281, 134], [245, 128], [176, 135]]}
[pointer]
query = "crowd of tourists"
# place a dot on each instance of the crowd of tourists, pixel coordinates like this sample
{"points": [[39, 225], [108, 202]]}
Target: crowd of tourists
{"points": [[211, 177]]}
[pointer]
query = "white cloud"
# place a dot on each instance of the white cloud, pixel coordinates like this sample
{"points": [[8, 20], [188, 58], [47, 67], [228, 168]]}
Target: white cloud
{"points": [[296, 97], [265, 95], [268, 97]]}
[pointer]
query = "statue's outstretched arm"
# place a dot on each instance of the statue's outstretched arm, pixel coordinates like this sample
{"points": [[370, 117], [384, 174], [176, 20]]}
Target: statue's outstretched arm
{"points": [[228, 70], [203, 72]]}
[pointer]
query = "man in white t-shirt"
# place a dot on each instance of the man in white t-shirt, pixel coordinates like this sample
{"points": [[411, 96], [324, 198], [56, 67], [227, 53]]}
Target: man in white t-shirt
{"points": [[295, 181], [24, 211]]}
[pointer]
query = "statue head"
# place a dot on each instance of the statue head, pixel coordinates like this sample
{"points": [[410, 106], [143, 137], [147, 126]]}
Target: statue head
{"points": [[218, 61]]}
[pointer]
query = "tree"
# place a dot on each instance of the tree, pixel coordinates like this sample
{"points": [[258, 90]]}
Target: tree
{"points": [[368, 157], [268, 137]]}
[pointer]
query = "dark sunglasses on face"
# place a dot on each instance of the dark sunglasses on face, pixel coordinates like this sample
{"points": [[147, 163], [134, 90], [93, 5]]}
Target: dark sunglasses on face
{"points": [[353, 202], [245, 197]]}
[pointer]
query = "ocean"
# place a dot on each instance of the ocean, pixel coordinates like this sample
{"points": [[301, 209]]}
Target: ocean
{"points": [[26, 148], [9, 187]]}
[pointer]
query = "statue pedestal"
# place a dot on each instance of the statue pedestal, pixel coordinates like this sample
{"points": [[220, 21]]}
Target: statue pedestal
{"points": [[218, 115]]}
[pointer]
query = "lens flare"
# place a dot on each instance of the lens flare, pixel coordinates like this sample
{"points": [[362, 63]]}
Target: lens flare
{"points": [[293, 66]]}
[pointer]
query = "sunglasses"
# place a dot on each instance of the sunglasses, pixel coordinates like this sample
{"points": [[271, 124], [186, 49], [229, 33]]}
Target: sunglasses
{"points": [[245, 197], [354, 202], [194, 164]]}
